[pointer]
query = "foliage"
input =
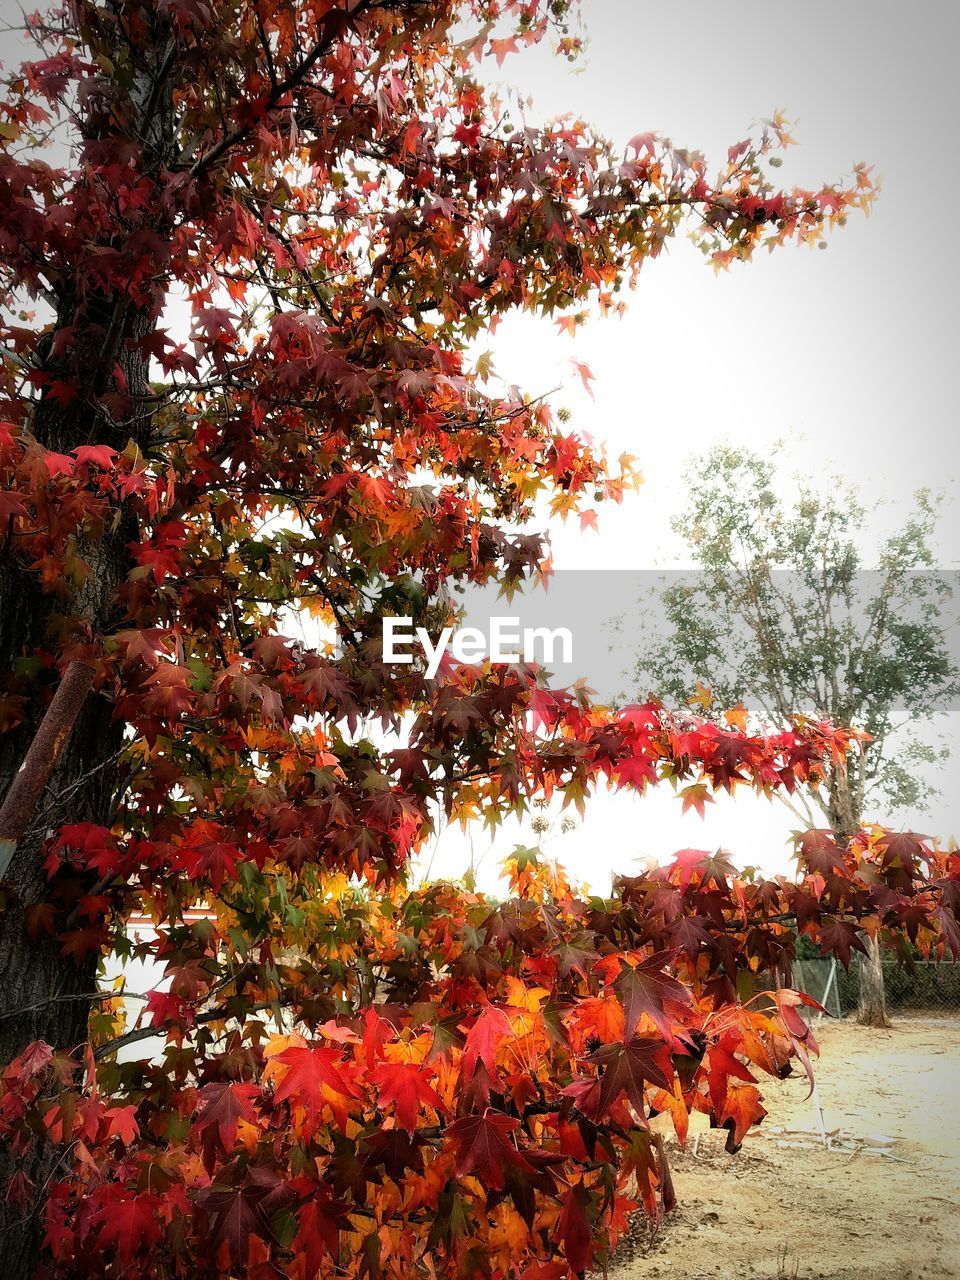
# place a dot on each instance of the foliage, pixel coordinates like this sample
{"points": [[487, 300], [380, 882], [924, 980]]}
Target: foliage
{"points": [[489, 1112], [244, 252]]}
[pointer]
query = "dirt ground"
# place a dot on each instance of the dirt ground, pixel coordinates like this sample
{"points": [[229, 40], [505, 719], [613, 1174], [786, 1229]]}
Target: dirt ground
{"points": [[784, 1207]]}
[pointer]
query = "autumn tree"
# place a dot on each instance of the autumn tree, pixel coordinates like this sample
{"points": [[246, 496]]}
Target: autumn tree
{"points": [[789, 612], [244, 251]]}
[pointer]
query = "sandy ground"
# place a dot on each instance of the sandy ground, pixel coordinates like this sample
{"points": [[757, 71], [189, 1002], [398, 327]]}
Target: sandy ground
{"points": [[784, 1207]]}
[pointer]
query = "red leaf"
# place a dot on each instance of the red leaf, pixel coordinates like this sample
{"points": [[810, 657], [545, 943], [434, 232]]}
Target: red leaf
{"points": [[643, 988], [404, 1084], [310, 1071], [100, 455], [121, 1122], [319, 1231], [490, 1028], [129, 1224], [224, 1106], [742, 1109], [840, 937], [236, 1214], [627, 1068], [10, 505], [484, 1146], [575, 1229], [214, 859], [58, 463]]}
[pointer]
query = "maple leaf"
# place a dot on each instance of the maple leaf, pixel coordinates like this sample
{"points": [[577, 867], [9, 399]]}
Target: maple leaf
{"points": [[10, 506], [742, 1110], [121, 1122], [491, 1026], [170, 694], [58, 464], [144, 645], [672, 1102], [840, 937], [575, 955], [129, 1224], [315, 1077], [319, 1222], [404, 1085], [236, 1216], [644, 987], [627, 1068], [901, 852], [80, 943], [575, 1228], [484, 1146], [601, 1017], [715, 867], [214, 859], [100, 455], [686, 862], [736, 717], [696, 796], [501, 48], [585, 374], [40, 918], [819, 851], [721, 1066], [165, 1006], [690, 935], [395, 1151], [224, 1106]]}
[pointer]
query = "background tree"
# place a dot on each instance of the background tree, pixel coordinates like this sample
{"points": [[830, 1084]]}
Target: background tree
{"points": [[244, 251], [789, 613]]}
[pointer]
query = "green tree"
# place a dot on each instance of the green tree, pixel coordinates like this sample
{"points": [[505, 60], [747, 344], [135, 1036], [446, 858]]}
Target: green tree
{"points": [[788, 614]]}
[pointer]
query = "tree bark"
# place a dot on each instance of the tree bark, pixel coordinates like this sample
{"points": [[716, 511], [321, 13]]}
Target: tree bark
{"points": [[43, 992], [23, 796], [33, 969], [872, 1009], [46, 995]]}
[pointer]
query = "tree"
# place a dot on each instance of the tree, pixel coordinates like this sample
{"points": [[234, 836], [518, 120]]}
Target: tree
{"points": [[784, 613], [244, 252]]}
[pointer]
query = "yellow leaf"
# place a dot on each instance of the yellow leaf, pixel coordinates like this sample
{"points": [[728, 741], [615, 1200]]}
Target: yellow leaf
{"points": [[702, 697], [736, 717]]}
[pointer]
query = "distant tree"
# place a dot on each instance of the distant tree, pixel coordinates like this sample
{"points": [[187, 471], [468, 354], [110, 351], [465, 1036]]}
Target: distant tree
{"points": [[788, 614]]}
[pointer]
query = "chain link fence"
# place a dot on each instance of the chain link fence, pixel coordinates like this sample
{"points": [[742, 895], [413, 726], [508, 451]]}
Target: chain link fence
{"points": [[926, 989]]}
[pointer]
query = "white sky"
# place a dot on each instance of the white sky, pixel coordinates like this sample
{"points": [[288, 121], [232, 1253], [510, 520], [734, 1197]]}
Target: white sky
{"points": [[849, 354]]}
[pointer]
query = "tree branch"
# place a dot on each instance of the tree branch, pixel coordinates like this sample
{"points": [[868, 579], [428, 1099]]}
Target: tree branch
{"points": [[23, 796], [333, 22]]}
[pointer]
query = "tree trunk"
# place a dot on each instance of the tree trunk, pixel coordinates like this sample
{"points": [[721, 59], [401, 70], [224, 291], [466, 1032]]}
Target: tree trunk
{"points": [[872, 1009], [846, 819], [44, 994]]}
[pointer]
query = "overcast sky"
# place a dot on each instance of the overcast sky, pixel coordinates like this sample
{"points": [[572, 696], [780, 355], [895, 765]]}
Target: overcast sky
{"points": [[849, 354]]}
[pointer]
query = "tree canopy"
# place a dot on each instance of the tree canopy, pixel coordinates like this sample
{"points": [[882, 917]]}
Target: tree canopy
{"points": [[244, 250]]}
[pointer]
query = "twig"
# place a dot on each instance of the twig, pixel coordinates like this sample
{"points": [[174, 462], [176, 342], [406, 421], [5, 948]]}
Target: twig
{"points": [[83, 995]]}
